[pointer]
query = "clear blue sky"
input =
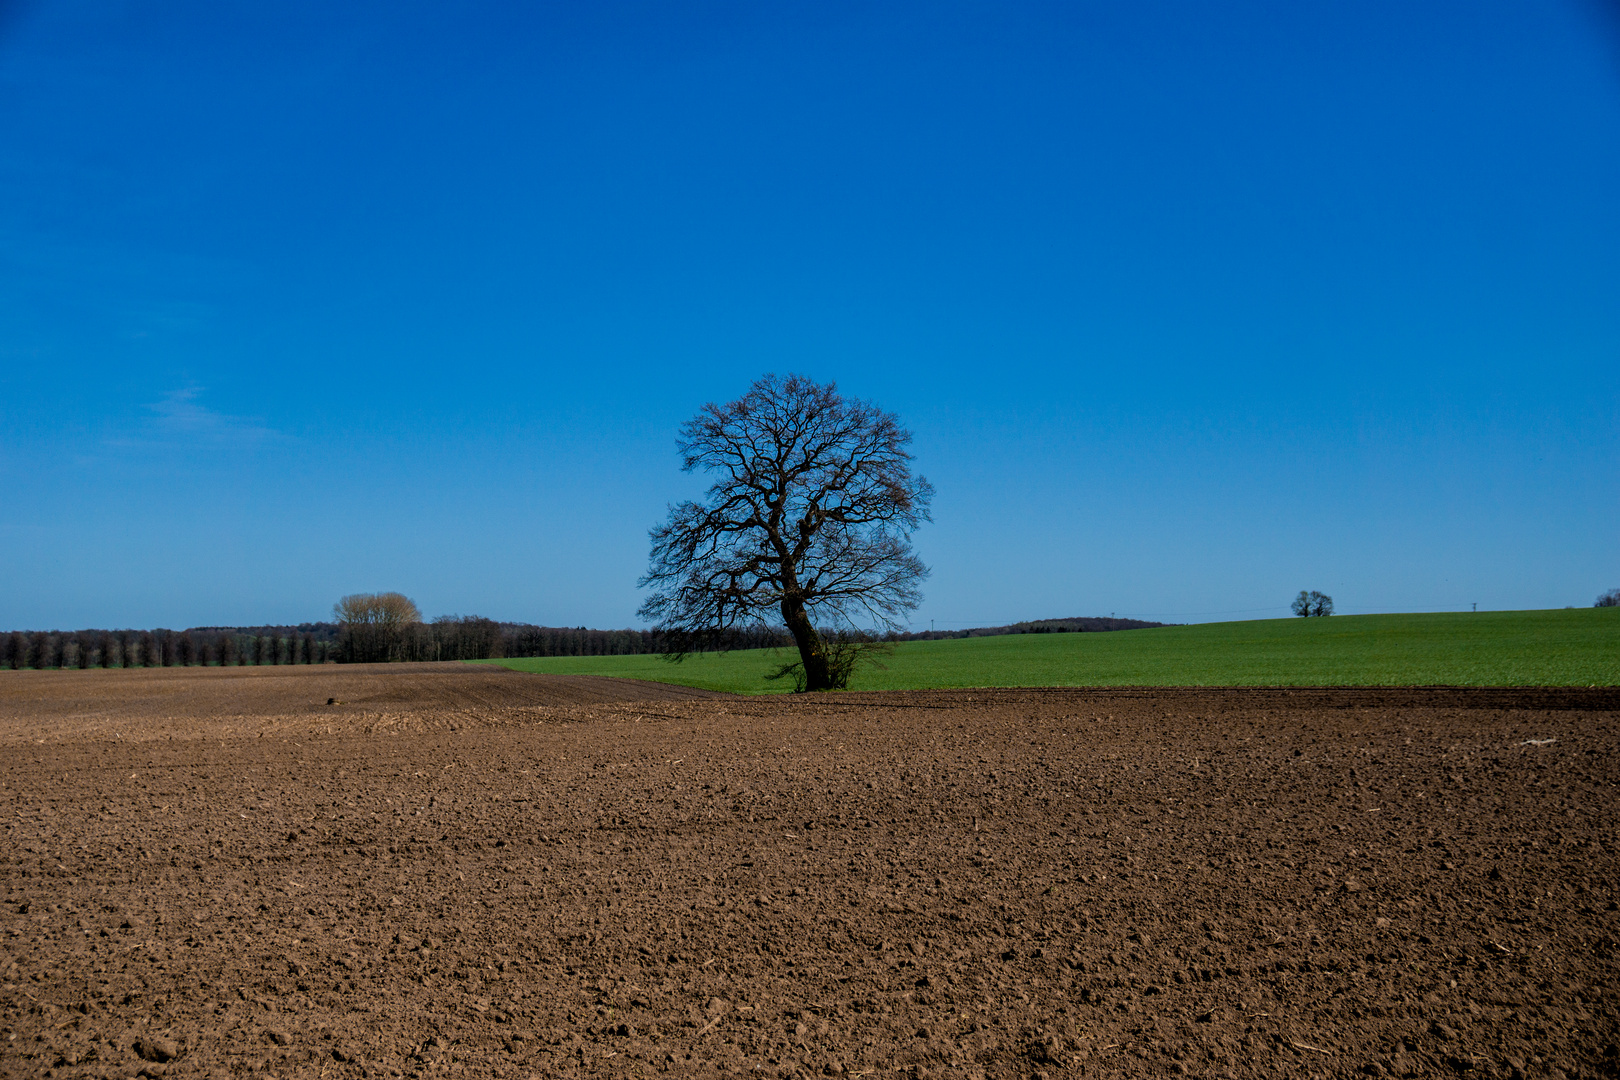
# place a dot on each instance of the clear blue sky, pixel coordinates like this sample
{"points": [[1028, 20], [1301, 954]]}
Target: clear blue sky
{"points": [[1190, 306]]}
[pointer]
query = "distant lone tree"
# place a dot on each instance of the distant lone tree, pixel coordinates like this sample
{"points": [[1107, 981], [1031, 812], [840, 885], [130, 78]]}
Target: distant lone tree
{"points": [[1608, 599], [809, 521], [1312, 603]]}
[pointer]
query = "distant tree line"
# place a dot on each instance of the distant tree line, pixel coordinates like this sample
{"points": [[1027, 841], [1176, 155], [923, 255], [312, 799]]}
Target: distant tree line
{"points": [[388, 627], [473, 637], [448, 637], [456, 637], [226, 646], [520, 639], [1037, 626]]}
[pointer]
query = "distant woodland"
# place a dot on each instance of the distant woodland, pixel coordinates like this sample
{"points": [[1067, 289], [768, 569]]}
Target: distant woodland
{"points": [[447, 638], [1038, 626], [450, 637]]}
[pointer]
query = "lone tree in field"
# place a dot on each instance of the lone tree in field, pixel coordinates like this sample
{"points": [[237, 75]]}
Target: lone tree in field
{"points": [[809, 521], [1312, 603]]}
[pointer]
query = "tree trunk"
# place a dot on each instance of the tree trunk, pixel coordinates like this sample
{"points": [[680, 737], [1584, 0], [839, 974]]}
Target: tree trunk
{"points": [[811, 652]]}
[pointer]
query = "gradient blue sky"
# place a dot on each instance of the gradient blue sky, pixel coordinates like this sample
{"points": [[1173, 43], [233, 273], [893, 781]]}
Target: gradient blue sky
{"points": [[1190, 306]]}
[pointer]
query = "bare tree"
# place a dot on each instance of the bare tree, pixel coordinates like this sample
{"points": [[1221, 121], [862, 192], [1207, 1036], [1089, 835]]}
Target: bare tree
{"points": [[809, 520], [380, 609], [374, 625], [1608, 599]]}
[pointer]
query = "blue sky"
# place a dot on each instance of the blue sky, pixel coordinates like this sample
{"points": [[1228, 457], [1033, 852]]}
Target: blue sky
{"points": [[1189, 306]]}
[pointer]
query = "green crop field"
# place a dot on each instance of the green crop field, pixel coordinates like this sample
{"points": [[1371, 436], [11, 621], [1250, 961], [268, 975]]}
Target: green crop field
{"points": [[1572, 647]]}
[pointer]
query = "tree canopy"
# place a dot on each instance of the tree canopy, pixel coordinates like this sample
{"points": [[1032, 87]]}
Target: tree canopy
{"points": [[1311, 603]]}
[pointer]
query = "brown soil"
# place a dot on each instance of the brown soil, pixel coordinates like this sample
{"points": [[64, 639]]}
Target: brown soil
{"points": [[466, 871]]}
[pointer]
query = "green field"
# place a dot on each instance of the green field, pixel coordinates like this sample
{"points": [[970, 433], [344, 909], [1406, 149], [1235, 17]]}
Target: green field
{"points": [[1572, 647]]}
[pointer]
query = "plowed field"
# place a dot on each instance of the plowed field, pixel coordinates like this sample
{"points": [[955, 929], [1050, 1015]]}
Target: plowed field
{"points": [[467, 871]]}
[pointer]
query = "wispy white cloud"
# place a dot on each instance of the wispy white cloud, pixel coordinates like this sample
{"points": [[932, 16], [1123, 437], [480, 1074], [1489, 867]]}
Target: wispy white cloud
{"points": [[180, 412], [180, 418]]}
